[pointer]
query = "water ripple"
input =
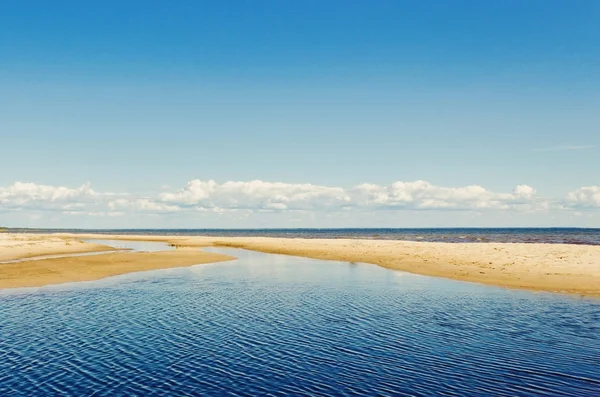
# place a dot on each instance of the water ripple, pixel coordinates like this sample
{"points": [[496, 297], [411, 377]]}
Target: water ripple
{"points": [[268, 325]]}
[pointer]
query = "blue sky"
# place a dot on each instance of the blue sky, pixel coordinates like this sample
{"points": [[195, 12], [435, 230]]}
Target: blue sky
{"points": [[145, 99]]}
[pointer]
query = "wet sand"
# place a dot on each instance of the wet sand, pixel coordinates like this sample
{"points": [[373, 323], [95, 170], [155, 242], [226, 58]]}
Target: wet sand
{"points": [[544, 267]]}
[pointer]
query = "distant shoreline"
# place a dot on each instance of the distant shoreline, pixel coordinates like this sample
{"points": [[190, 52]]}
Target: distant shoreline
{"points": [[555, 235]]}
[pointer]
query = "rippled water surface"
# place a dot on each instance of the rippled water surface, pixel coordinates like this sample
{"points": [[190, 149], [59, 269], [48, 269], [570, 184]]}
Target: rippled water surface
{"points": [[281, 325]]}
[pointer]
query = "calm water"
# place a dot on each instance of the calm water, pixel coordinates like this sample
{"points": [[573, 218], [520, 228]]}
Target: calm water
{"points": [[138, 246], [451, 235], [134, 246], [280, 325]]}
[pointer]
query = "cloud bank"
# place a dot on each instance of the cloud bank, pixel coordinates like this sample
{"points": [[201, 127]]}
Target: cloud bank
{"points": [[259, 197]]}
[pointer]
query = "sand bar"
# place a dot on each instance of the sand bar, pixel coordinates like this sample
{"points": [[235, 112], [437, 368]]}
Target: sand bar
{"points": [[36, 273], [545, 267], [24, 245]]}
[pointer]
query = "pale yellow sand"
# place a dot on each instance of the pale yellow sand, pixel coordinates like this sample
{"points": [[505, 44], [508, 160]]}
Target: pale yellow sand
{"points": [[86, 268], [556, 268], [39, 272], [547, 267], [24, 245]]}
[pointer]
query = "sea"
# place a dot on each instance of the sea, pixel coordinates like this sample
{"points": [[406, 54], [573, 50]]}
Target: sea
{"points": [[589, 236]]}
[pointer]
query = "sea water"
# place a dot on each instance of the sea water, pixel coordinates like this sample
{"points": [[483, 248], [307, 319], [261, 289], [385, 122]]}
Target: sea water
{"points": [[587, 236], [281, 325]]}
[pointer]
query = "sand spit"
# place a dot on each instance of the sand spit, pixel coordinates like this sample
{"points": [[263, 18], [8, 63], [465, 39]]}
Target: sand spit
{"points": [[24, 245], [544, 267], [87, 268], [39, 272]]}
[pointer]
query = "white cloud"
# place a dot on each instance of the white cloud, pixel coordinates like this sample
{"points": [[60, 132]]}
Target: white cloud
{"points": [[423, 195], [80, 201], [261, 195], [141, 204], [260, 200], [524, 191], [24, 193], [584, 197], [256, 195]]}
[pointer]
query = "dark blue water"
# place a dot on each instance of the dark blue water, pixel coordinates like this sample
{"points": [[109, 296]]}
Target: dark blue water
{"points": [[450, 235], [281, 325]]}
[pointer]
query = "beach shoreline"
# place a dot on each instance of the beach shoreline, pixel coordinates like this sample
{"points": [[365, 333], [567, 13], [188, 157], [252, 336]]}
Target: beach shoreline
{"points": [[564, 268]]}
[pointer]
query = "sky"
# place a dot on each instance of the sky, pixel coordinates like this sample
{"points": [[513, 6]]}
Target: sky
{"points": [[280, 113]]}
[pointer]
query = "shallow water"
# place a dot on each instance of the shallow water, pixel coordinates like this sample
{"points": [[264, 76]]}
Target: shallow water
{"points": [[286, 325], [134, 246]]}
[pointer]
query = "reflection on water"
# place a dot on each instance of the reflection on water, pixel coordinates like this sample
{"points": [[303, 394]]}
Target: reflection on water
{"points": [[285, 325], [140, 246]]}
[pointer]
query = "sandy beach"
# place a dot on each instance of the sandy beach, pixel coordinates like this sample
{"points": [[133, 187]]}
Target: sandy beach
{"points": [[544, 267]]}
